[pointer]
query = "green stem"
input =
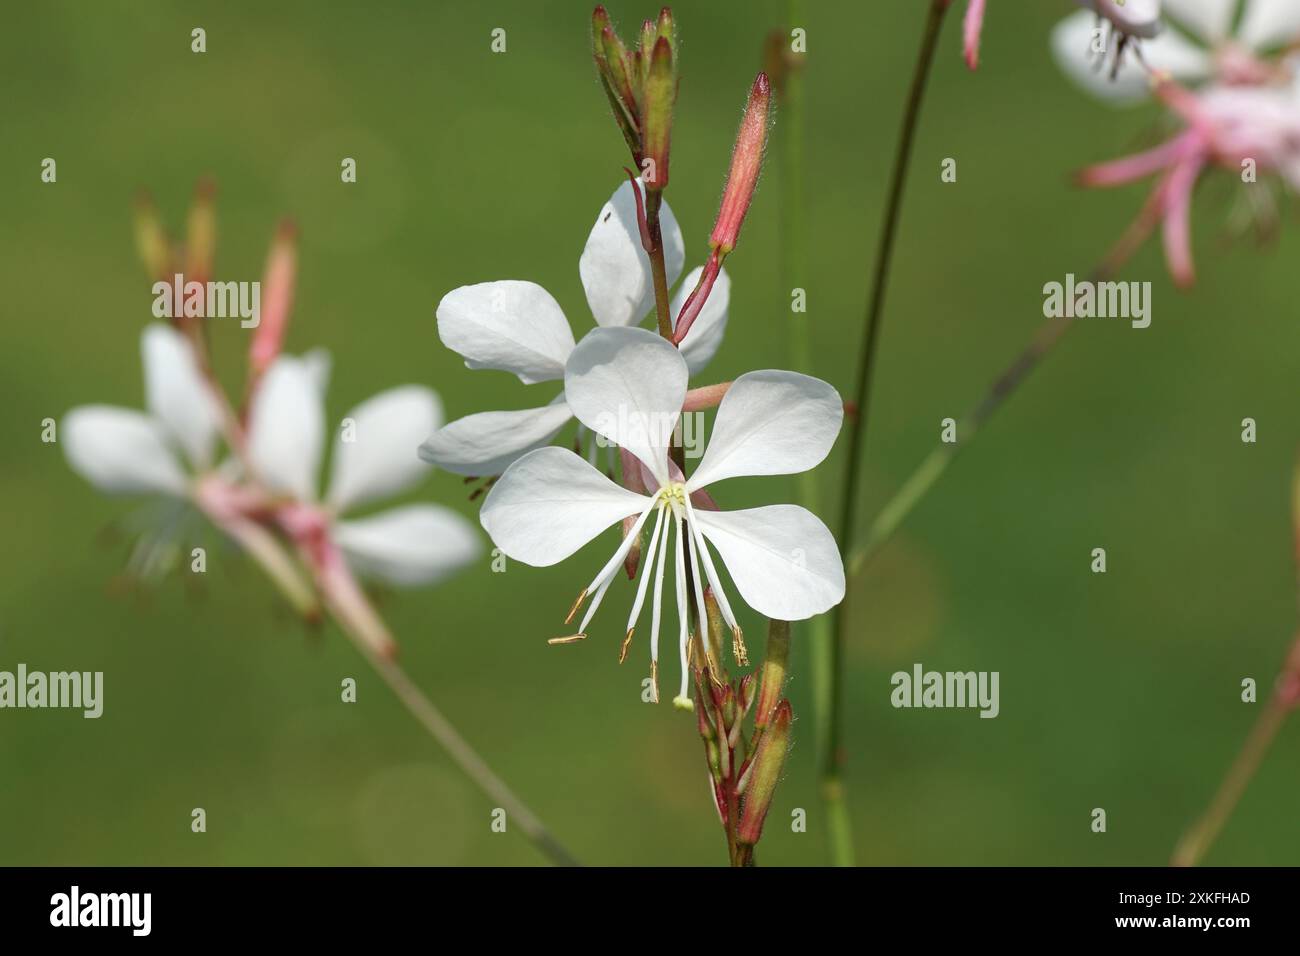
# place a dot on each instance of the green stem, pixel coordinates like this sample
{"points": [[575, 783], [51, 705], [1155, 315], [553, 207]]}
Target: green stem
{"points": [[466, 758], [919, 483], [794, 262], [658, 270], [1197, 840], [832, 756]]}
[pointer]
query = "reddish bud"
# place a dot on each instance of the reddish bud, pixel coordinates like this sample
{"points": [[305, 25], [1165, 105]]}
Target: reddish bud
{"points": [[746, 162], [764, 774], [277, 300]]}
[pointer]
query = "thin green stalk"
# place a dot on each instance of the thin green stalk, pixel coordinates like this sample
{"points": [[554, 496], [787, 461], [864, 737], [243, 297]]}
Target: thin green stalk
{"points": [[658, 270], [794, 261], [465, 757], [832, 757], [919, 483], [1197, 840]]}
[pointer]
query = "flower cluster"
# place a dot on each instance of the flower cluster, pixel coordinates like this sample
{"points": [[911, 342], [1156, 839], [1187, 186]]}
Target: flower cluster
{"points": [[1227, 73], [264, 495]]}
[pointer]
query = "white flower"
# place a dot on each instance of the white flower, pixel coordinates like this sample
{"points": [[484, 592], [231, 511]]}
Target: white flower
{"points": [[628, 385], [518, 327], [170, 451], [123, 451], [373, 457], [1217, 53]]}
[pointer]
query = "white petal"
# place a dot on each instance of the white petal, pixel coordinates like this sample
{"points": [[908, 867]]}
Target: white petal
{"points": [[414, 544], [1269, 23], [120, 450], [1208, 20], [702, 341], [550, 503], [770, 423], [286, 427], [1072, 41], [382, 459], [614, 267], [319, 364], [176, 394], [781, 557], [1139, 18], [488, 442], [628, 385], [513, 326]]}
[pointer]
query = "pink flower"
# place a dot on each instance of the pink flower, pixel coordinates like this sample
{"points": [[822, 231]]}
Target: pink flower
{"points": [[1247, 130]]}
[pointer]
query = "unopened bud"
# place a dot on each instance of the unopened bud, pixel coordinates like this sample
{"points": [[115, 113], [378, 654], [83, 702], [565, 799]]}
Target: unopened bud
{"points": [[748, 690], [717, 626], [201, 233], [610, 56], [764, 774], [649, 33], [774, 671], [657, 126], [277, 300], [746, 162], [667, 27], [150, 239]]}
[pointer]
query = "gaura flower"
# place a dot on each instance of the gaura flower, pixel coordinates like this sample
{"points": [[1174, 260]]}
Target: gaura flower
{"points": [[628, 386], [170, 451], [124, 451], [1226, 126], [1202, 47], [373, 458], [518, 327]]}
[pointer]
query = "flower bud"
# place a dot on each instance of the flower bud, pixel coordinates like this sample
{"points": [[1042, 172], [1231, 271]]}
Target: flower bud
{"points": [[748, 690], [622, 101], [277, 300], [150, 239], [667, 27], [201, 233], [764, 773], [649, 33], [746, 162], [657, 115], [774, 670]]}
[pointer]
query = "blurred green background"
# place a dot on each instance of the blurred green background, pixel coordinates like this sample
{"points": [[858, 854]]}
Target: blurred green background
{"points": [[1118, 691]]}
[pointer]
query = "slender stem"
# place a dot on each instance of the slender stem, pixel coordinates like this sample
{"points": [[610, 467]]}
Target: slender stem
{"points": [[258, 540], [832, 756], [919, 483], [465, 757], [1197, 840], [658, 271], [793, 272]]}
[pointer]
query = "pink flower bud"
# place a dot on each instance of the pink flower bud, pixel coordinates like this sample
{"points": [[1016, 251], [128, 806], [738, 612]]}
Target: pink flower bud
{"points": [[746, 162], [277, 300]]}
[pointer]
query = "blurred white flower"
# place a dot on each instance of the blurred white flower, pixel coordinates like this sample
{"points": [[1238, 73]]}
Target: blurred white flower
{"points": [[373, 457], [518, 327], [1197, 44], [628, 385], [124, 451], [170, 451]]}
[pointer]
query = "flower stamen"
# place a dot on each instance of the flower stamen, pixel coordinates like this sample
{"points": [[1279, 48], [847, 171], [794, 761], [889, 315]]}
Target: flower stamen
{"points": [[568, 619], [570, 639]]}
